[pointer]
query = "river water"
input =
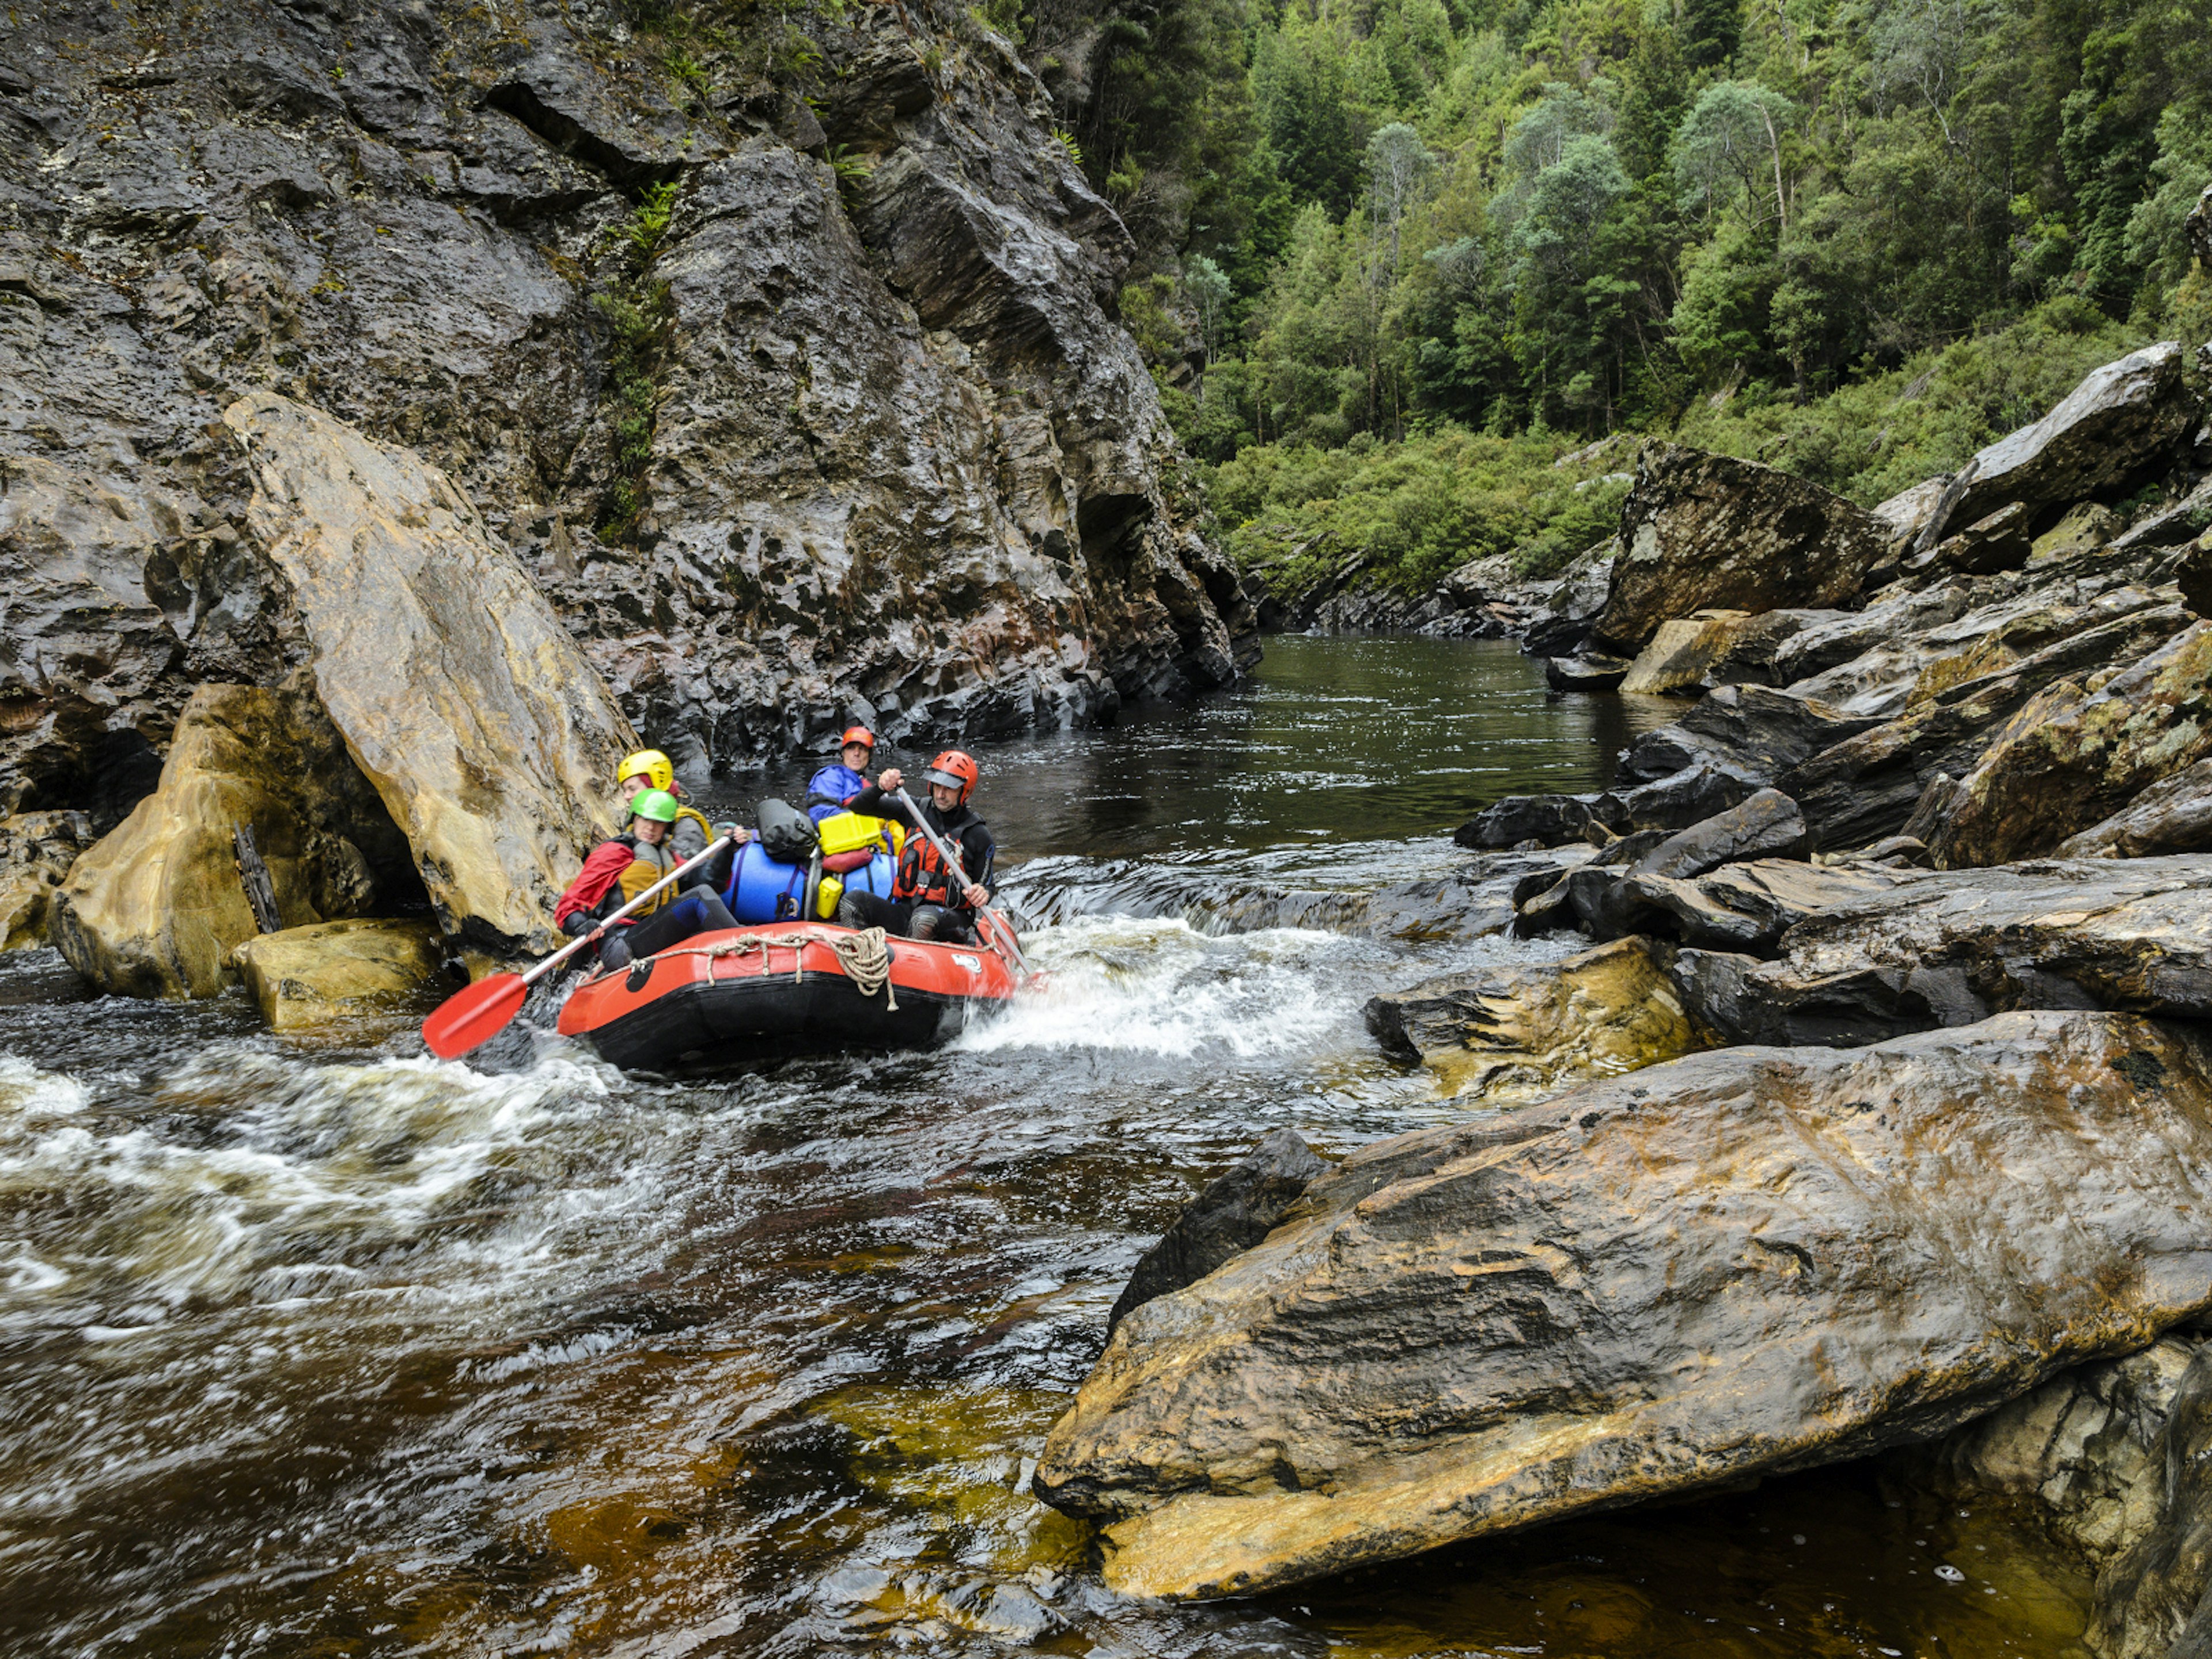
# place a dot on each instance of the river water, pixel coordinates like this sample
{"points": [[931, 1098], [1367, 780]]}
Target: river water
{"points": [[327, 1348]]}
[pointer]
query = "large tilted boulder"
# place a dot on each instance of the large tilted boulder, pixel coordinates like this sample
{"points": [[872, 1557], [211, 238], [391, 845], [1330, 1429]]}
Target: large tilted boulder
{"points": [[1900, 952], [2071, 756], [1870, 785], [1740, 1263], [2119, 421], [1700, 532], [155, 908], [489, 736], [1525, 1027], [304, 977]]}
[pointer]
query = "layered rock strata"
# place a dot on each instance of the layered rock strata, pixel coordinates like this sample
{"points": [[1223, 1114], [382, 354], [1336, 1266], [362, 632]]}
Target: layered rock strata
{"points": [[1735, 1264]]}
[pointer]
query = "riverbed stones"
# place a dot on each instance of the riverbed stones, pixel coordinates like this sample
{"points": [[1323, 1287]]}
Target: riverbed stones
{"points": [[155, 908], [305, 977], [487, 733], [2074, 756], [1701, 531], [1739, 1263], [1524, 1027]]}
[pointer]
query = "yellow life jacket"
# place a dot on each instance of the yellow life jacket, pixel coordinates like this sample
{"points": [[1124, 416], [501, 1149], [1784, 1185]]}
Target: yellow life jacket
{"points": [[648, 864]]}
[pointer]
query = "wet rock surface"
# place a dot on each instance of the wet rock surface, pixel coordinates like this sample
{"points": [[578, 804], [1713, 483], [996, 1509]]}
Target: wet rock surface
{"points": [[1703, 531], [458, 694], [1238, 1209], [1893, 952], [157, 908], [1488, 1033], [305, 977], [1738, 1262]]}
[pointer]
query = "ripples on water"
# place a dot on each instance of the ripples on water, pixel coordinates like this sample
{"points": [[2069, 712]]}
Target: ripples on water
{"points": [[335, 1349]]}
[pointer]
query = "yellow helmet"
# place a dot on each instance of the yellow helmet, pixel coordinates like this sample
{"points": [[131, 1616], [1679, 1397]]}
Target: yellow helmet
{"points": [[656, 769]]}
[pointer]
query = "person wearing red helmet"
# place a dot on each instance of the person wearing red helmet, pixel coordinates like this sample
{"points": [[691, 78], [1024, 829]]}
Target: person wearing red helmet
{"points": [[832, 788], [926, 901]]}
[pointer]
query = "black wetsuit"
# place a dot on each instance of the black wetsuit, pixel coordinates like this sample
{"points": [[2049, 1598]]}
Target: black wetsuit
{"points": [[925, 901]]}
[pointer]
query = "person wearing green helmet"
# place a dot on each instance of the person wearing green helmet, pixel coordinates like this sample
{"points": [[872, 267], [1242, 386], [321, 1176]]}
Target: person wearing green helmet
{"points": [[619, 870]]}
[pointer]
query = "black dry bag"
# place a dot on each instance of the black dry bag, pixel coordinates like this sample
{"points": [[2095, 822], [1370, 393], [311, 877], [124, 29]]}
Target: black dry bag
{"points": [[787, 834]]}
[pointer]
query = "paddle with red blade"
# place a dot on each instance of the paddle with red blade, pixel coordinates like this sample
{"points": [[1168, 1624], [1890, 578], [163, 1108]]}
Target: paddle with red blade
{"points": [[988, 922], [468, 1019]]}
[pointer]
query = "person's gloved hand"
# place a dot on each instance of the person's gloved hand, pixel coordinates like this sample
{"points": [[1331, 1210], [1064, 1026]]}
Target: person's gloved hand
{"points": [[578, 923], [737, 832]]}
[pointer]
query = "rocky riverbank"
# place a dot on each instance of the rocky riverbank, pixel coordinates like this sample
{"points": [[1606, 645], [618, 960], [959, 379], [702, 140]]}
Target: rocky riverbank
{"points": [[407, 410], [1894, 1004]]}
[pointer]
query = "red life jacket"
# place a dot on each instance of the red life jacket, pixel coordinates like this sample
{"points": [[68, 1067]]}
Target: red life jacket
{"points": [[923, 876]]}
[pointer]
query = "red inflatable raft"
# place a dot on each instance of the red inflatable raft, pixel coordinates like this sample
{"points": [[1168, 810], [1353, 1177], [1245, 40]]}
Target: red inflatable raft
{"points": [[783, 988]]}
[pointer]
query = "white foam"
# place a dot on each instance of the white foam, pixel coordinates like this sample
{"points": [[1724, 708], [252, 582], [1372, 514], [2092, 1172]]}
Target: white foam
{"points": [[1160, 985]]}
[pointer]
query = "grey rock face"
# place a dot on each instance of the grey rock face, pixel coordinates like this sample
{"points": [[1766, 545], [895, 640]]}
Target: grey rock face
{"points": [[1768, 825], [1702, 530], [1239, 1208], [903, 466], [2174, 815], [1872, 954], [2101, 436], [1736, 1263]]}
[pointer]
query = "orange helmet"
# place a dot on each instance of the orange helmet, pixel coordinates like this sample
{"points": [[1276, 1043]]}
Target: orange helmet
{"points": [[858, 734], [954, 769]]}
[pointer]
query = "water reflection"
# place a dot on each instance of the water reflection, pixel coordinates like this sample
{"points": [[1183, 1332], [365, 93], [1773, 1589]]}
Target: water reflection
{"points": [[1340, 739]]}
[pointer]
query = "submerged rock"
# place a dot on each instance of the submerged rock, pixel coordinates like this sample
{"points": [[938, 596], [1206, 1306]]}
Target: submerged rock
{"points": [[1238, 1209], [155, 908], [1603, 1011], [1702, 530], [489, 735], [307, 976], [1736, 1264]]}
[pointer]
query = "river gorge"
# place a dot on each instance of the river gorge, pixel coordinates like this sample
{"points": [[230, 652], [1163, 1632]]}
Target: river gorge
{"points": [[321, 1347]]}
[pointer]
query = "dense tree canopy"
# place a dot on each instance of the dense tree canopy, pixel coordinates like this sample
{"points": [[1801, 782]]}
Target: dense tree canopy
{"points": [[1390, 219]]}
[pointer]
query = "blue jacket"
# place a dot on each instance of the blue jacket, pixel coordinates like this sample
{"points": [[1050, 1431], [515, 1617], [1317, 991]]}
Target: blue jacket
{"points": [[828, 790]]}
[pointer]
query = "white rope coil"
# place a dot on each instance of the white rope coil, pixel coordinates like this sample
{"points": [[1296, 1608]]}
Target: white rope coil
{"points": [[864, 958]]}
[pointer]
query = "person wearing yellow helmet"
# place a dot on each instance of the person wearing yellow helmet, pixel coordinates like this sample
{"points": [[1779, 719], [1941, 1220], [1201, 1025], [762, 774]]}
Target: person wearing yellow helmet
{"points": [[649, 769], [619, 870]]}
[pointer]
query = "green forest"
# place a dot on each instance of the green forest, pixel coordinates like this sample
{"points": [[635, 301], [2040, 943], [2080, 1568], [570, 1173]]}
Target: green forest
{"points": [[1398, 257]]}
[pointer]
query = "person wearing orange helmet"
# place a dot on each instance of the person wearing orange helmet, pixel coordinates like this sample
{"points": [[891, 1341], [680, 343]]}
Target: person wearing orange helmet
{"points": [[926, 901], [832, 788]]}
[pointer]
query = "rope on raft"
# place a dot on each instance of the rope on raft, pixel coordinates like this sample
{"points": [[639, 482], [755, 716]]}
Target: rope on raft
{"points": [[864, 958]]}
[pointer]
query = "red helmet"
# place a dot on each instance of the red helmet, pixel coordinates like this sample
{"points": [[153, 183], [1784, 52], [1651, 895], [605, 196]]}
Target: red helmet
{"points": [[858, 734], [954, 769]]}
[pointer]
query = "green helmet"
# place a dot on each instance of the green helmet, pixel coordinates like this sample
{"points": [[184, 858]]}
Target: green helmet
{"points": [[655, 804]]}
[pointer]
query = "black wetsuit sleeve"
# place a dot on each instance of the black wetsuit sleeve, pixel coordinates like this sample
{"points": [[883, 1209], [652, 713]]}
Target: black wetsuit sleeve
{"points": [[873, 803], [977, 854]]}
